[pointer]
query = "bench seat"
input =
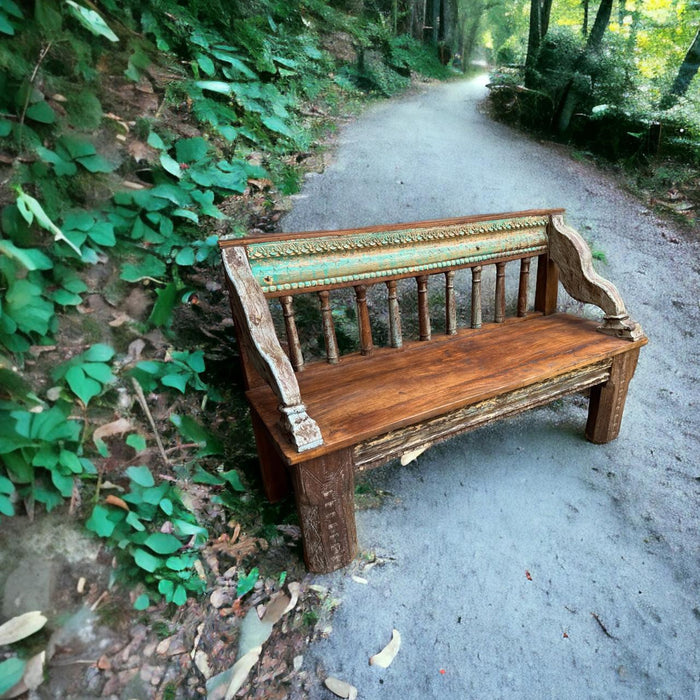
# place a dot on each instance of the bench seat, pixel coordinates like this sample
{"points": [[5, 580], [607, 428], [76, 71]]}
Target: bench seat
{"points": [[391, 390]]}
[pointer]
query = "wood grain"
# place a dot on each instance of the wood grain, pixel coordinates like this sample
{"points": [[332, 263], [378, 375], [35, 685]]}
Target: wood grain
{"points": [[394, 389], [523, 286], [395, 336], [295, 354]]}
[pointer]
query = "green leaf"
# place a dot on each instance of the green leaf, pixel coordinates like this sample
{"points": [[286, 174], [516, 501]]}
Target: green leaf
{"points": [[99, 522], [247, 583], [41, 112], [176, 381], [177, 563], [233, 480], [5, 26], [201, 476], [96, 164], [155, 141], [142, 602], [63, 483], [170, 165], [163, 543], [141, 476], [81, 385], [194, 432], [162, 312], [146, 560], [91, 21], [186, 214], [134, 521], [6, 486], [166, 587], [11, 672], [185, 256], [99, 352], [102, 233], [5, 128], [30, 258], [206, 64], [277, 125], [149, 266], [138, 442], [6, 507], [166, 505], [180, 595], [217, 86], [191, 150], [71, 461], [99, 371]]}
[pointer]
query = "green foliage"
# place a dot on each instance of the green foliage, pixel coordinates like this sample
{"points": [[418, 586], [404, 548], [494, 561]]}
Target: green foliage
{"points": [[88, 374], [155, 536]]}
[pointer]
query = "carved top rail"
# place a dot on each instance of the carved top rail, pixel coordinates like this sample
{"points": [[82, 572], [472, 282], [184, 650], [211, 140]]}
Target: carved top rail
{"points": [[322, 260]]}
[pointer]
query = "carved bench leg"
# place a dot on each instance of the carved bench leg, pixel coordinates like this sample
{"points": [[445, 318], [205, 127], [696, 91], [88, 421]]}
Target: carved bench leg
{"points": [[275, 476], [608, 400], [324, 490]]}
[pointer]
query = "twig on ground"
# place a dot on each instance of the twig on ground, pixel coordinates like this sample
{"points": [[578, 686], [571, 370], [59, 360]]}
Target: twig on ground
{"points": [[142, 402], [602, 626]]}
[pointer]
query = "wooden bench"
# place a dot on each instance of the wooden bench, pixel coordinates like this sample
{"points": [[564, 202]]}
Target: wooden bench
{"points": [[319, 422]]}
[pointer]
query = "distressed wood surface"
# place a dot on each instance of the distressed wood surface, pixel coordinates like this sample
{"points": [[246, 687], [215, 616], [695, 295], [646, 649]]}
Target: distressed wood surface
{"points": [[329, 338], [391, 390], [325, 260], [324, 490], [423, 309], [450, 303], [378, 451], [573, 258], [476, 297], [395, 336], [365, 329], [523, 286], [500, 303], [607, 401], [257, 334], [295, 354]]}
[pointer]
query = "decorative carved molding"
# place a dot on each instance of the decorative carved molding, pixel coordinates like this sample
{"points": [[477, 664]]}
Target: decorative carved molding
{"points": [[252, 316], [319, 261], [573, 258]]}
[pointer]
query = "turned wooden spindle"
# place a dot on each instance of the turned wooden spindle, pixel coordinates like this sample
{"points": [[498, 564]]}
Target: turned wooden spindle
{"points": [[295, 355], [365, 329], [500, 311], [328, 329], [423, 311], [522, 288], [394, 316], [476, 296], [450, 303]]}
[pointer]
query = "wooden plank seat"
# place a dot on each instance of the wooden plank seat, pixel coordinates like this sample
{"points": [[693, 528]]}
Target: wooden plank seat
{"points": [[320, 422]]}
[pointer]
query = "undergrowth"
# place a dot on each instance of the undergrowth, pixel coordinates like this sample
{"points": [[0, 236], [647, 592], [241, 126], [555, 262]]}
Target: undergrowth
{"points": [[128, 135]]}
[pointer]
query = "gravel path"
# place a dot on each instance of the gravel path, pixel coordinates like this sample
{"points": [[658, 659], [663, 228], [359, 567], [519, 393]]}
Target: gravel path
{"points": [[608, 534]]}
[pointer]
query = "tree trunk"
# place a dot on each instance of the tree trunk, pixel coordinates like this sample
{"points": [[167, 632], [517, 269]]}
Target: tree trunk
{"points": [[584, 28], [686, 73], [539, 24], [571, 97]]}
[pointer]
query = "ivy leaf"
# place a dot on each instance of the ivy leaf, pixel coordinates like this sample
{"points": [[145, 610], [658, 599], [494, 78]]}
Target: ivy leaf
{"points": [[170, 165], [98, 353], [176, 381], [194, 432], [42, 113], [31, 258], [11, 672], [185, 256], [149, 266], [277, 125], [180, 595], [191, 150], [142, 602], [247, 583], [146, 560], [217, 86], [96, 164], [163, 543], [91, 21], [141, 476], [99, 522], [162, 312], [206, 64], [138, 442], [81, 385]]}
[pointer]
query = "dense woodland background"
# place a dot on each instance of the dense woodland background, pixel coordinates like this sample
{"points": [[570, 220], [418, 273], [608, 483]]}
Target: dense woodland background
{"points": [[133, 133]]}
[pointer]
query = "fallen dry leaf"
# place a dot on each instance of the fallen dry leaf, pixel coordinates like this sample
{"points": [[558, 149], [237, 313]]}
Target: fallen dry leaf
{"points": [[21, 626], [116, 427], [201, 660], [241, 669], [408, 457], [116, 501], [33, 677], [359, 579], [276, 607], [384, 658], [341, 688]]}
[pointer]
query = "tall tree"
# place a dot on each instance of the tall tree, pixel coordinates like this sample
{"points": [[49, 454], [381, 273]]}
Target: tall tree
{"points": [[539, 24], [571, 95], [686, 73]]}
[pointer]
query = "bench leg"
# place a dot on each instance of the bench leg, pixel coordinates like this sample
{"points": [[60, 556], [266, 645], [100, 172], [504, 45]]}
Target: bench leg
{"points": [[608, 400], [324, 490], [275, 477]]}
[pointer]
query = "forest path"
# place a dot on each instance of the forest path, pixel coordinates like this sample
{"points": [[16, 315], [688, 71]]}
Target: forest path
{"points": [[608, 534]]}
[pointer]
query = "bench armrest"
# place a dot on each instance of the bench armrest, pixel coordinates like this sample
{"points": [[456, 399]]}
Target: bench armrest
{"points": [[573, 258], [257, 333]]}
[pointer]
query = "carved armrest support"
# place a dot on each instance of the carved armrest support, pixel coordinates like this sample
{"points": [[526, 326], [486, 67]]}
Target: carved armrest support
{"points": [[257, 334], [573, 258]]}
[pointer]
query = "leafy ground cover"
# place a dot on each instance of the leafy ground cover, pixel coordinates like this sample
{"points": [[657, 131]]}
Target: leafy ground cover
{"points": [[131, 137]]}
